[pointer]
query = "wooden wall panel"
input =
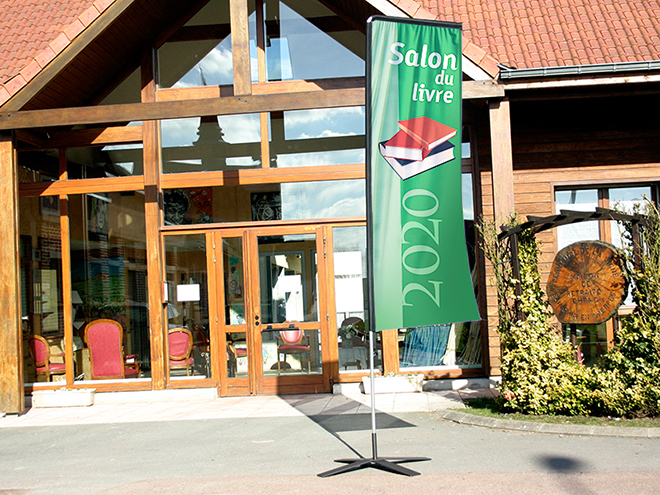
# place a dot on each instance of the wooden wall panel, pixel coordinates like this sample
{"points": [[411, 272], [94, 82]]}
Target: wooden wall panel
{"points": [[594, 143], [11, 335]]}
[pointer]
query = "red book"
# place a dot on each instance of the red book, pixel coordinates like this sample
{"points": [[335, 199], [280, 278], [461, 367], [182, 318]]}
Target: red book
{"points": [[428, 132], [403, 146]]}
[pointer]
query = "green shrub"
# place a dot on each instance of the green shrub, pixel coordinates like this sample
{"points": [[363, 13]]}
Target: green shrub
{"points": [[540, 374]]}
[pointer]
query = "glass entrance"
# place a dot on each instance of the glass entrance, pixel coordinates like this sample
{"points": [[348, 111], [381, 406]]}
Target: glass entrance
{"points": [[289, 306], [267, 285]]}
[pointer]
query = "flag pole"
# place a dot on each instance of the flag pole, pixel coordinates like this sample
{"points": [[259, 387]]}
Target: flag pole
{"points": [[390, 464]]}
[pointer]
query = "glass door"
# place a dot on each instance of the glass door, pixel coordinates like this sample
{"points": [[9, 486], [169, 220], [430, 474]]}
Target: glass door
{"points": [[288, 311], [229, 286], [269, 286]]}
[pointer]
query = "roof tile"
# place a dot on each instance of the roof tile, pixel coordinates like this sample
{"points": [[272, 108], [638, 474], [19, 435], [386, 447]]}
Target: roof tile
{"points": [[74, 29], [89, 16], [30, 70], [45, 56], [15, 84], [59, 43], [101, 5], [588, 29]]}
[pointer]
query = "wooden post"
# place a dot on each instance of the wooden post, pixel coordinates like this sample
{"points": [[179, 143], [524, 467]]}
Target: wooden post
{"points": [[152, 221], [240, 47], [574, 341], [637, 246], [502, 159], [12, 396], [515, 271], [389, 342]]}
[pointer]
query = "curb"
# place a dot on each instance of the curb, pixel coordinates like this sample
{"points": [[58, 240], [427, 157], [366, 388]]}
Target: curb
{"points": [[534, 427]]}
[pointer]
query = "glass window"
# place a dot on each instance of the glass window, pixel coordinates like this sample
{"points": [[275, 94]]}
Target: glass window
{"points": [[116, 160], [237, 361], [287, 278], [455, 345], [204, 144], [293, 26], [199, 53], [41, 289], [351, 301], [38, 166], [234, 271], [188, 307], [329, 136], [109, 282], [625, 199], [577, 200], [288, 289], [591, 340], [266, 202], [128, 91]]}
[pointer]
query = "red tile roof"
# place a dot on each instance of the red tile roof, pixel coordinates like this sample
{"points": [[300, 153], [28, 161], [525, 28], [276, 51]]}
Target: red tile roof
{"points": [[537, 33], [516, 33], [34, 32]]}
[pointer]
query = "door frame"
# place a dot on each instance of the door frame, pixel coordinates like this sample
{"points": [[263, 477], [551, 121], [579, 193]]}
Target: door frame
{"points": [[256, 383], [327, 323]]}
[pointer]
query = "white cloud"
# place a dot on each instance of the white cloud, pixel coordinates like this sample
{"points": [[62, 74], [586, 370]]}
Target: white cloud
{"points": [[327, 199]]}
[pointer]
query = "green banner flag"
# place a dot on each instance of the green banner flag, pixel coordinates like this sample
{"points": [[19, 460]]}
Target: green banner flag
{"points": [[418, 257]]}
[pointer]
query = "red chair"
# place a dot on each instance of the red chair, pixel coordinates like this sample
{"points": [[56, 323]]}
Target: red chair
{"points": [[293, 341], [180, 344], [105, 340], [40, 352]]}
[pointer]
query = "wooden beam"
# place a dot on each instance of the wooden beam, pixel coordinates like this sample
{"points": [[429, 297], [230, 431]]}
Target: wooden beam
{"points": [[12, 398], [82, 186], [93, 137], [152, 220], [32, 138], [261, 88], [502, 157], [276, 96], [261, 42], [473, 90], [240, 46], [263, 176], [129, 112], [67, 56]]}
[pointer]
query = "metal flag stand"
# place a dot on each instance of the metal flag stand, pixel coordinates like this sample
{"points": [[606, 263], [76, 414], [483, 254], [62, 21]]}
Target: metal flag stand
{"points": [[390, 464]]}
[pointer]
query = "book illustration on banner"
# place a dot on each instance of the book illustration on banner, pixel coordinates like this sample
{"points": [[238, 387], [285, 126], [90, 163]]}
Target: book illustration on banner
{"points": [[421, 144], [405, 169]]}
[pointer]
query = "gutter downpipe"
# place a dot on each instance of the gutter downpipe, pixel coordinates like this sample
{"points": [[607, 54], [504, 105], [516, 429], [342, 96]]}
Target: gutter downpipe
{"points": [[509, 74]]}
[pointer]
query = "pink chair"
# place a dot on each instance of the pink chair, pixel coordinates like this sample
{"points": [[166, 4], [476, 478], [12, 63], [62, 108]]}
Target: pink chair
{"points": [[293, 341], [180, 344], [40, 352], [105, 340]]}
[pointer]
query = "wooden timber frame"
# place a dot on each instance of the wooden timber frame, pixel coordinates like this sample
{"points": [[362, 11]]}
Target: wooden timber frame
{"points": [[509, 236], [46, 129]]}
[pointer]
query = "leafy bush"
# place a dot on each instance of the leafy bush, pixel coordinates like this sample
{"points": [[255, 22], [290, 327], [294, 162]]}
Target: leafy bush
{"points": [[539, 372], [629, 374]]}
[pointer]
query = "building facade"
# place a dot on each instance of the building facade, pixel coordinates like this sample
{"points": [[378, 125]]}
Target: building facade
{"points": [[183, 189]]}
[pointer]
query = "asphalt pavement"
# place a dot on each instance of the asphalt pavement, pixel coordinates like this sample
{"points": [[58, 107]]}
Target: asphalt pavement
{"points": [[280, 445]]}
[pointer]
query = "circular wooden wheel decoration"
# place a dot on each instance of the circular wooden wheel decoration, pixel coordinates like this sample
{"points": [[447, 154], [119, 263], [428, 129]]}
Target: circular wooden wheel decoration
{"points": [[587, 282]]}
